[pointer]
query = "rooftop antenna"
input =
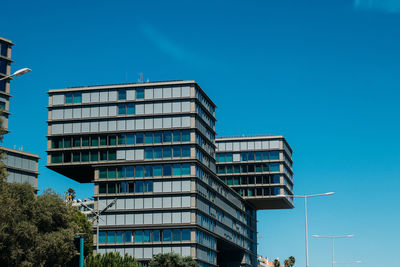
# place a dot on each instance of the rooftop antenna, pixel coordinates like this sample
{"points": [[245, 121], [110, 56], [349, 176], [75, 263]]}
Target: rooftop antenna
{"points": [[140, 77]]}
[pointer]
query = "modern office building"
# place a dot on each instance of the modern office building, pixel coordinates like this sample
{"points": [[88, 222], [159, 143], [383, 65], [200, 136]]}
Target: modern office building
{"points": [[22, 167], [151, 146], [5, 69], [259, 168]]}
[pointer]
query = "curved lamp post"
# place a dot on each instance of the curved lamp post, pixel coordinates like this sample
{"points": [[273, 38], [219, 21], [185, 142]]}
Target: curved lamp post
{"points": [[17, 73], [333, 244], [305, 213]]}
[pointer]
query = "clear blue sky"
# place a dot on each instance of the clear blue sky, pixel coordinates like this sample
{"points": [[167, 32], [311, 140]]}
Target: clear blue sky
{"points": [[325, 74]]}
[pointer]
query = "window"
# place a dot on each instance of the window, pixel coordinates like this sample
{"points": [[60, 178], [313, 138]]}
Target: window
{"points": [[186, 151], [274, 155], [111, 237], [166, 234], [176, 170], [148, 138], [2, 105], [67, 143], [94, 141], [157, 170], [185, 136], [139, 187], [85, 141], [185, 234], [177, 136], [121, 139], [139, 93], [274, 167], [130, 139], [156, 235], [121, 109], [167, 170], [167, 136], [126, 109], [138, 236], [176, 151], [147, 236], [148, 171], [122, 94], [157, 153], [139, 171], [148, 153], [73, 98], [139, 138], [167, 152], [102, 188], [157, 137], [128, 236], [102, 173], [103, 140], [120, 236], [176, 235], [102, 237], [94, 156]]}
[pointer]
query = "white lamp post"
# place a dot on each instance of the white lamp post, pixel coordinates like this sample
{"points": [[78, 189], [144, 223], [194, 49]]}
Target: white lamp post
{"points": [[17, 73], [305, 212], [333, 244], [97, 217]]}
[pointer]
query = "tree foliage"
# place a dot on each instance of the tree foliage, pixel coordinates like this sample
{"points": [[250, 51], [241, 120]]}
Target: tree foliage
{"points": [[110, 259], [36, 230], [277, 263], [172, 260]]}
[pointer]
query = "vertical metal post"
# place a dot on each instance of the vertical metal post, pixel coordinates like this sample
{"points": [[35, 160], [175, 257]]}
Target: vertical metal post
{"points": [[81, 252], [305, 211], [97, 230], [333, 252]]}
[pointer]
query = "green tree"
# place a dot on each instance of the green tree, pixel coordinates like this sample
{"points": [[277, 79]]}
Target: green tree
{"points": [[70, 194], [172, 260], [277, 263], [35, 230], [110, 259], [85, 227], [292, 260], [286, 263]]}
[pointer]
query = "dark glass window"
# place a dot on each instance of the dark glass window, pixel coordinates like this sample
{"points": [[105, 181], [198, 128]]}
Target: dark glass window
{"points": [[121, 94], [128, 236], [185, 234], [176, 235], [167, 136], [102, 237], [186, 151], [111, 173], [67, 143], [77, 98], [157, 152], [85, 141], [3, 85], [94, 141], [148, 171], [102, 173], [185, 169], [157, 137], [121, 172], [139, 187], [243, 156], [138, 236], [139, 93], [130, 139], [276, 179], [85, 156], [147, 236], [176, 170], [265, 156], [56, 158], [157, 170], [2, 105], [166, 234], [274, 167], [112, 155], [177, 136], [77, 142], [243, 180], [76, 157], [176, 151], [156, 235], [258, 156], [4, 49], [139, 138], [250, 156], [185, 136], [110, 236], [102, 188], [112, 140], [274, 155], [139, 171], [103, 140], [167, 152], [130, 109], [148, 153], [94, 156], [121, 109], [3, 66], [121, 139], [68, 98], [103, 155], [167, 170], [148, 138], [67, 157], [120, 236], [111, 188]]}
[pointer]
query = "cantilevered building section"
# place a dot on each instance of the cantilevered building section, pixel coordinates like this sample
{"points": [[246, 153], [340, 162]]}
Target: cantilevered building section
{"points": [[152, 147], [259, 168]]}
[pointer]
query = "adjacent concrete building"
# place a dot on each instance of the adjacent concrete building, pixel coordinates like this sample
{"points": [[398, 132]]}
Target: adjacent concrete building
{"points": [[152, 147], [259, 168], [22, 167]]}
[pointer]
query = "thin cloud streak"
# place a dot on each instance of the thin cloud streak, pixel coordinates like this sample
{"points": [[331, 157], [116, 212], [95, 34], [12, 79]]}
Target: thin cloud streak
{"points": [[173, 49], [389, 6]]}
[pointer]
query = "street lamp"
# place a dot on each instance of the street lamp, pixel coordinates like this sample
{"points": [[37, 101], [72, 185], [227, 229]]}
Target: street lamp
{"points": [[97, 217], [305, 212], [333, 244], [347, 262], [17, 73]]}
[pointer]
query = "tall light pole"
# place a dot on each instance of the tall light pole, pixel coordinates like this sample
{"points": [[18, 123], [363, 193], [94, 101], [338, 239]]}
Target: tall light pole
{"points": [[17, 73], [305, 213], [97, 217], [333, 244]]}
